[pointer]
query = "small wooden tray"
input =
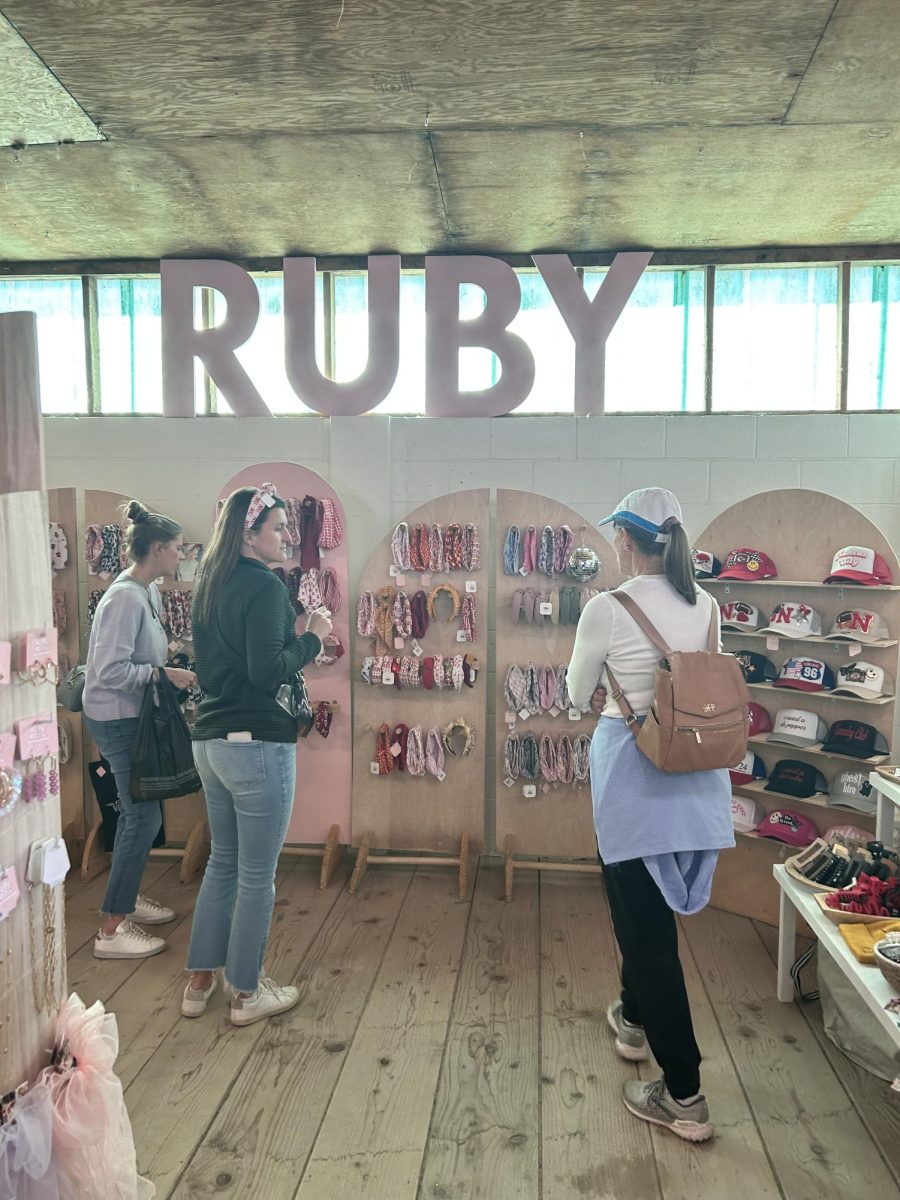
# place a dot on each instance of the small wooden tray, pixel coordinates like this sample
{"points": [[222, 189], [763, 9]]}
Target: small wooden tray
{"points": [[844, 918]]}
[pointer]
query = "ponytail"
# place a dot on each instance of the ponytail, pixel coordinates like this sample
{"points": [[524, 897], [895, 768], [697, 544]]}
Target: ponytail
{"points": [[678, 564]]}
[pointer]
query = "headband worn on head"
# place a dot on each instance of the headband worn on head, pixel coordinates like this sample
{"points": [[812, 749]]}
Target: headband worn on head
{"points": [[263, 497]]}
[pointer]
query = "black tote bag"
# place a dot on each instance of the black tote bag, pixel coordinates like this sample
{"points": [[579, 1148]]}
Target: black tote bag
{"points": [[162, 761]]}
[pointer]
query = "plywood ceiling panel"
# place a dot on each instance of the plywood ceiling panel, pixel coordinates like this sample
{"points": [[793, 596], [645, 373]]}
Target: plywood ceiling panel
{"points": [[853, 75], [36, 108], [189, 67]]}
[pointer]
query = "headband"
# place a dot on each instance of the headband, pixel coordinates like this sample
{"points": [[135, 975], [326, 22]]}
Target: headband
{"points": [[454, 600], [263, 498], [450, 731]]}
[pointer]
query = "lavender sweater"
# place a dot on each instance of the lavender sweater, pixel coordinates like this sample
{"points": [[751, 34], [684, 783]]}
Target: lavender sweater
{"points": [[127, 642]]}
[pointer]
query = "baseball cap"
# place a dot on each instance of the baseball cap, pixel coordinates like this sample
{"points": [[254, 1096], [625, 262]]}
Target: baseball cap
{"points": [[806, 675], [735, 614], [746, 814], [846, 834], [851, 789], [748, 564], [749, 768], [756, 668], [797, 727], [863, 679], [760, 721], [859, 564], [858, 625], [856, 739], [646, 510], [785, 825], [706, 565], [793, 618], [794, 778]]}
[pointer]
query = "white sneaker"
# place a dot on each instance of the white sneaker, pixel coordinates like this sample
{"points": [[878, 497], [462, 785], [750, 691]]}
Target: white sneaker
{"points": [[129, 941], [194, 1001], [151, 912], [268, 1000]]}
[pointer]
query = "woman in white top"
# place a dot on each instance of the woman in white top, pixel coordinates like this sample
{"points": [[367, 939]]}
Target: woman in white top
{"points": [[658, 834]]}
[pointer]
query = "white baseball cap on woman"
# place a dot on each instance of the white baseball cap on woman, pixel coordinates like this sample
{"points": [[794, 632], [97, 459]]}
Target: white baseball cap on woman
{"points": [[646, 510]]}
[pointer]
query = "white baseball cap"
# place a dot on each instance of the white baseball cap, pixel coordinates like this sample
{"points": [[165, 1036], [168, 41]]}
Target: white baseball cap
{"points": [[794, 619], [858, 625], [739, 616], [746, 814], [797, 727], [647, 510], [862, 679]]}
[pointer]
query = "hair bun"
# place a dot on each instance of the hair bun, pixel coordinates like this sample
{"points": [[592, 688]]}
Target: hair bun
{"points": [[135, 512]]}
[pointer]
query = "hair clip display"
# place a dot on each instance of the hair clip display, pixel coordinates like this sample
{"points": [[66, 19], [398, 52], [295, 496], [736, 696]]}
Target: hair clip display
{"points": [[39, 657]]}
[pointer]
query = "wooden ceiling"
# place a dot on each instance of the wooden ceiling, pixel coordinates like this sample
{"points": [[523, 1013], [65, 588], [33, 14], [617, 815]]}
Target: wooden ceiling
{"points": [[152, 128]]}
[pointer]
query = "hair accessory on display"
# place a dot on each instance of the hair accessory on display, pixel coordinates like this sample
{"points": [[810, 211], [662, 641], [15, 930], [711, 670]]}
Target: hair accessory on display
{"points": [[331, 591], [309, 534], [401, 740], [438, 669], [547, 758], [748, 564], [436, 548], [454, 601], [470, 670], [468, 620], [434, 753], [419, 554], [59, 547], [262, 498], [332, 650], [859, 564], [365, 615], [292, 518], [511, 757], [323, 718], [383, 618], [512, 551], [419, 606], [565, 760], [403, 622], [471, 548], [383, 755], [562, 546], [582, 755], [400, 547], [529, 757], [546, 687], [545, 550], [529, 550], [93, 601], [452, 730], [309, 593], [561, 699], [646, 511], [514, 688], [93, 547], [415, 752], [453, 546], [331, 527]]}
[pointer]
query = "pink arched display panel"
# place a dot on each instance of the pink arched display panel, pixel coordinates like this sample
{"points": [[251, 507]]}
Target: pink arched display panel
{"points": [[323, 764]]}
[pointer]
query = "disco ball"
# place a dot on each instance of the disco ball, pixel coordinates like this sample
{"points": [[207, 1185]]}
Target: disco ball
{"points": [[583, 564]]}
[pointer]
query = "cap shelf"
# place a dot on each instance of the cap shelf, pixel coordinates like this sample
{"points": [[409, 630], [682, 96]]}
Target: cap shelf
{"points": [[823, 695], [878, 644], [757, 789], [871, 588], [762, 739]]}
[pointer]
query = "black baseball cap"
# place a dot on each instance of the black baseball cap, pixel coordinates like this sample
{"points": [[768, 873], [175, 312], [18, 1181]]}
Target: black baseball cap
{"points": [[855, 739], [756, 668], [790, 777]]}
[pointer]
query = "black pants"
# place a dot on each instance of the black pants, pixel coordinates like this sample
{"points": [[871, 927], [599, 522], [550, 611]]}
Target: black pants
{"points": [[653, 991]]}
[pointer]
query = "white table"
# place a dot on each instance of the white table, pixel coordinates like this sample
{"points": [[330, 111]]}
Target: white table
{"points": [[871, 985], [887, 792]]}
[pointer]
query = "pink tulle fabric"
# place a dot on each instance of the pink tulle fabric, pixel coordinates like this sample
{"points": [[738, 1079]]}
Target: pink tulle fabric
{"points": [[93, 1145], [26, 1142]]}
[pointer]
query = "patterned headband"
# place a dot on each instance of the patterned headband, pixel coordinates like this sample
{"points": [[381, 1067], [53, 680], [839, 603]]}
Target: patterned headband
{"points": [[263, 497]]}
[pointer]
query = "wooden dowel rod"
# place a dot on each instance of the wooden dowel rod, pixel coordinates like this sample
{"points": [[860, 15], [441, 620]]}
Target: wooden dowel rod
{"points": [[577, 868]]}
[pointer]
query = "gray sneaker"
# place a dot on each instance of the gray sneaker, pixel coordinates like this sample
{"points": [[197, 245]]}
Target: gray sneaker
{"points": [[631, 1041], [652, 1102]]}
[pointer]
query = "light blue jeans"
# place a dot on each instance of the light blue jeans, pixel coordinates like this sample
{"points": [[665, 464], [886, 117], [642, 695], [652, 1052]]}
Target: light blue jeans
{"points": [[138, 822], [249, 789]]}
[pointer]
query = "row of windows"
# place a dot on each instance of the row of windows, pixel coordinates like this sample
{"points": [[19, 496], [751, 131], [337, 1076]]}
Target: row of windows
{"points": [[774, 341]]}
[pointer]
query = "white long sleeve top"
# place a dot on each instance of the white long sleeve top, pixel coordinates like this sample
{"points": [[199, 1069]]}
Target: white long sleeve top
{"points": [[608, 634]]}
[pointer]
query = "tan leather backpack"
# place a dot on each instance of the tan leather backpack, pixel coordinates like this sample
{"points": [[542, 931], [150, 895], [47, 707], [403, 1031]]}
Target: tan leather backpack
{"points": [[698, 718]]}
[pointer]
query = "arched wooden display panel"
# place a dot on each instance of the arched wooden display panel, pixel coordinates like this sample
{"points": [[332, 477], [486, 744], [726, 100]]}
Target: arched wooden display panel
{"points": [[399, 811], [800, 530], [557, 822], [322, 798], [67, 614]]}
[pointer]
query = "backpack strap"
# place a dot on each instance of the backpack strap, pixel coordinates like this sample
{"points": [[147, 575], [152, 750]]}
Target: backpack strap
{"points": [[640, 618]]}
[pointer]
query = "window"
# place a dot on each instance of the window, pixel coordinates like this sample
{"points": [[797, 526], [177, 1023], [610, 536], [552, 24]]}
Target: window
{"points": [[130, 345], [774, 339], [873, 367], [60, 331]]}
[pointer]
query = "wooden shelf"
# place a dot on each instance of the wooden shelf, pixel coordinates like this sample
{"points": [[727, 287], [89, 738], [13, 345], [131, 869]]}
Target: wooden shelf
{"points": [[806, 583], [824, 695], [762, 739], [757, 790], [880, 644]]}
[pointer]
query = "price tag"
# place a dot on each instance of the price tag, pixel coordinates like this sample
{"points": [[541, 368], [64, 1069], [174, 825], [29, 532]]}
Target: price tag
{"points": [[524, 714], [546, 608], [9, 891], [38, 649], [554, 711], [7, 751], [101, 771], [425, 578], [507, 782], [387, 678], [771, 642], [37, 736], [396, 749], [417, 649], [393, 571], [5, 662], [373, 768], [574, 714], [471, 585], [529, 791], [441, 776], [461, 635], [853, 649], [522, 571], [509, 717], [399, 643], [400, 580]]}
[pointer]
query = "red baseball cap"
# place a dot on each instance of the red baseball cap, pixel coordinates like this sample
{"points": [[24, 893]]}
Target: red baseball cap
{"points": [[859, 564], [760, 721], [785, 825], [748, 564]]}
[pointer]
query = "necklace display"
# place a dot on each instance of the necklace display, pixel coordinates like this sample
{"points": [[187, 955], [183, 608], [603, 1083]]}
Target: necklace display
{"points": [[44, 981]]}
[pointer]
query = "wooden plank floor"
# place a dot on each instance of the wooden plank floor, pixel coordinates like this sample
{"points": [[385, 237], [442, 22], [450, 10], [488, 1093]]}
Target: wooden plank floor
{"points": [[448, 1050]]}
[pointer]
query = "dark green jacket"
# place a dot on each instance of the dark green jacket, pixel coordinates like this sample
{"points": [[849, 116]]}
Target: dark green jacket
{"points": [[246, 650]]}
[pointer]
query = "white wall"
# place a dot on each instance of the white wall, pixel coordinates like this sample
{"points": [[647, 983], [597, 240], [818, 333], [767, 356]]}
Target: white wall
{"points": [[384, 466]]}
